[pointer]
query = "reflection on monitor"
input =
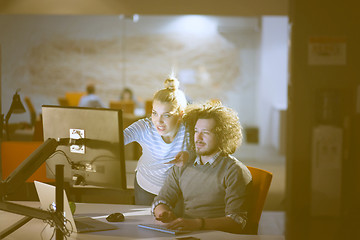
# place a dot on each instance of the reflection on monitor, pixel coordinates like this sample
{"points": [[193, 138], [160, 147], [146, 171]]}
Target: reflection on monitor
{"points": [[95, 153]]}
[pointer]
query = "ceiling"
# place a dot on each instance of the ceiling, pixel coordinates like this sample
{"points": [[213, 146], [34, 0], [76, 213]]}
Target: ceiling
{"points": [[148, 7]]}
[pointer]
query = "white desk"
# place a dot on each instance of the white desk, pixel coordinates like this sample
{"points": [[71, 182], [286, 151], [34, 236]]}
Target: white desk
{"points": [[126, 230]]}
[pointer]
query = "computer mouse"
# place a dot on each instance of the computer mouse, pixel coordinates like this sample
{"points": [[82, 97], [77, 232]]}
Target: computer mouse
{"points": [[115, 217]]}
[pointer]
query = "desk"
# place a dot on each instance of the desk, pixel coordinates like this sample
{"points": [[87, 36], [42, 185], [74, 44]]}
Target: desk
{"points": [[128, 229]]}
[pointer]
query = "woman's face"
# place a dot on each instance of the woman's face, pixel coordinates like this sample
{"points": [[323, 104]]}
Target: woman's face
{"points": [[165, 118]]}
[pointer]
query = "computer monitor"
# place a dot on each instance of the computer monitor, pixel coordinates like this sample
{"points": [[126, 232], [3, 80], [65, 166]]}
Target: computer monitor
{"points": [[95, 152]]}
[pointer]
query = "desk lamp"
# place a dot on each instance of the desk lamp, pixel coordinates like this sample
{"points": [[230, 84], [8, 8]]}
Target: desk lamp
{"points": [[16, 107]]}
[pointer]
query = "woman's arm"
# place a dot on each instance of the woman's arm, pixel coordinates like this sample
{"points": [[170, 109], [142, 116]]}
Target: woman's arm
{"points": [[134, 132]]}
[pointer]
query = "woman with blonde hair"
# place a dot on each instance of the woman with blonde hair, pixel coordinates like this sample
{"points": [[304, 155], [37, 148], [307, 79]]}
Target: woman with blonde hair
{"points": [[162, 137]]}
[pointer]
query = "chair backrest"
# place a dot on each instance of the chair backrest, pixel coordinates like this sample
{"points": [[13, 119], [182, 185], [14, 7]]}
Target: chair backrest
{"points": [[74, 97], [148, 107], [260, 187], [31, 109], [126, 106], [63, 101], [38, 130], [13, 153]]}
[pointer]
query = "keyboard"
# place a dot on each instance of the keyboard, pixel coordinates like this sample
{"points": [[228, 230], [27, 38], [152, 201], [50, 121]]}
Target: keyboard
{"points": [[163, 228]]}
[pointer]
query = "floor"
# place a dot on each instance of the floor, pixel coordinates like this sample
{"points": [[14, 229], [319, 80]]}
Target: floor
{"points": [[272, 223]]}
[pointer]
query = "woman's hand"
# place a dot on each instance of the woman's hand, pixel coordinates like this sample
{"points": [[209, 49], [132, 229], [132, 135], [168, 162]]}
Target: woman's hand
{"points": [[163, 213], [180, 159]]}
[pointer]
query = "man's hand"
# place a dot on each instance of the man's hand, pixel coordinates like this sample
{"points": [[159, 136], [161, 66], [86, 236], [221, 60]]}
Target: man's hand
{"points": [[163, 213], [180, 159], [185, 224]]}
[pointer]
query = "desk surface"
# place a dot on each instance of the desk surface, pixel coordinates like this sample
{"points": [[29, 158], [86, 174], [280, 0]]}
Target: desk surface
{"points": [[128, 229]]}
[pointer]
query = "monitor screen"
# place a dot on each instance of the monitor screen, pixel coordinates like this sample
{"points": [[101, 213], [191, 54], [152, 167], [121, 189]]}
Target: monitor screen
{"points": [[94, 154]]}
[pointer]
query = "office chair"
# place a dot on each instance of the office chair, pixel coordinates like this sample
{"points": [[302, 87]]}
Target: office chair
{"points": [[126, 106], [31, 109], [13, 153], [63, 101], [36, 122], [260, 187], [38, 130], [148, 107], [74, 97]]}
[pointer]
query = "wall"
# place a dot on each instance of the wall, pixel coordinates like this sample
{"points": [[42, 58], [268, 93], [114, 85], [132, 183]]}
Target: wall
{"points": [[272, 95], [313, 70], [47, 56], [129, 7]]}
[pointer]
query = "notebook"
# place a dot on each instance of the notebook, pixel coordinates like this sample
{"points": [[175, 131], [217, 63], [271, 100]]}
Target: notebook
{"points": [[46, 195], [163, 228]]}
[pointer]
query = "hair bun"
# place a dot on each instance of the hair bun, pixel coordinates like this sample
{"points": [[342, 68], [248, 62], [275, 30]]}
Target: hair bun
{"points": [[171, 84], [173, 89]]}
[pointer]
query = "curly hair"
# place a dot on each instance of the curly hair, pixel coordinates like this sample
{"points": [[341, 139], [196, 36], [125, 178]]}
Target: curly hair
{"points": [[227, 128]]}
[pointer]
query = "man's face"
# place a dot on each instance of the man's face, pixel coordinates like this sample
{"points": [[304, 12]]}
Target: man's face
{"points": [[205, 140]]}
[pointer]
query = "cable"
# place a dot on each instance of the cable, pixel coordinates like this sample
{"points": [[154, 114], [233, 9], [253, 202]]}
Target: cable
{"points": [[65, 231], [52, 155], [81, 165], [66, 156], [53, 233], [111, 158], [77, 165], [42, 231]]}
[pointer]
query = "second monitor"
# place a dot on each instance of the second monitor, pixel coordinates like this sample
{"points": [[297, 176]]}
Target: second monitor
{"points": [[93, 153]]}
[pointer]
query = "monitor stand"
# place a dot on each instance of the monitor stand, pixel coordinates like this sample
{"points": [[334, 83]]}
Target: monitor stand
{"points": [[30, 213]]}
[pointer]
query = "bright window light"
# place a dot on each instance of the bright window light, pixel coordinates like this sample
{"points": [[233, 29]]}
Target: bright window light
{"points": [[194, 24]]}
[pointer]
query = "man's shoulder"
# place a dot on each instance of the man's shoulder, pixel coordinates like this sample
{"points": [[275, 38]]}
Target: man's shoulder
{"points": [[233, 163], [230, 159]]}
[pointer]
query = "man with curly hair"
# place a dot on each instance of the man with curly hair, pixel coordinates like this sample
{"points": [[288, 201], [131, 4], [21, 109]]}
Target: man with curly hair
{"points": [[213, 185]]}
